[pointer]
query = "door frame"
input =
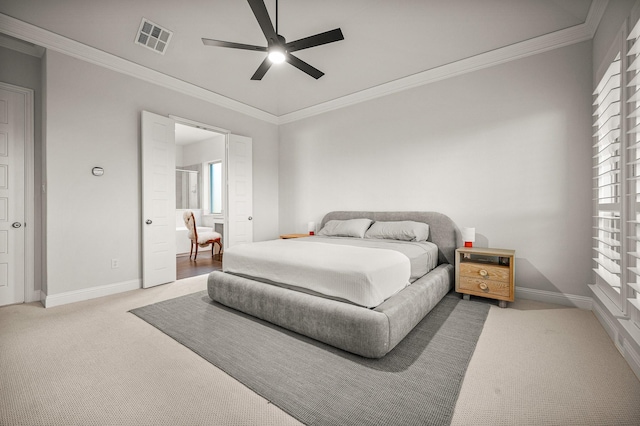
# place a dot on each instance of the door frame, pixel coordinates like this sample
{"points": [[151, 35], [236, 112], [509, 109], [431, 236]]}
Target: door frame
{"points": [[30, 294], [226, 133]]}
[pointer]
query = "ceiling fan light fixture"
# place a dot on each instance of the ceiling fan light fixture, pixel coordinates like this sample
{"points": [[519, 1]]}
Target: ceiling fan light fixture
{"points": [[276, 55], [277, 49]]}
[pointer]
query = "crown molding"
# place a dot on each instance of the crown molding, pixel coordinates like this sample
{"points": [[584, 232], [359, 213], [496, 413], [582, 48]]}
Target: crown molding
{"points": [[21, 46], [48, 40], [534, 46], [596, 11]]}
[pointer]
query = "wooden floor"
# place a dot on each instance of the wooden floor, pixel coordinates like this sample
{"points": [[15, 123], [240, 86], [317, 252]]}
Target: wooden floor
{"points": [[204, 264]]}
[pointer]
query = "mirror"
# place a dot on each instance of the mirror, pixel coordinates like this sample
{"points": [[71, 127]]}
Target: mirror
{"points": [[188, 187]]}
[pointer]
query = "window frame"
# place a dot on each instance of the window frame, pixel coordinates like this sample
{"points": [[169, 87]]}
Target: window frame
{"points": [[624, 303], [209, 188]]}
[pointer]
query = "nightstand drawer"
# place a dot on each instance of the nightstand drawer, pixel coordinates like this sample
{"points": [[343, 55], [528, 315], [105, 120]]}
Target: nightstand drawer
{"points": [[484, 272], [485, 287]]}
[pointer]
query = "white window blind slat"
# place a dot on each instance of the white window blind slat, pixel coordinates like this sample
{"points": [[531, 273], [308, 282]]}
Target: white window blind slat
{"points": [[607, 139], [634, 65], [612, 280], [607, 185], [608, 241], [608, 229], [634, 97], [607, 98], [611, 266], [631, 287], [612, 71], [634, 49], [635, 286], [611, 254]]}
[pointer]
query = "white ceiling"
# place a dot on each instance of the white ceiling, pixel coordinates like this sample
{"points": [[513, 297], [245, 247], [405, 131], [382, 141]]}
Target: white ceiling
{"points": [[385, 41]]}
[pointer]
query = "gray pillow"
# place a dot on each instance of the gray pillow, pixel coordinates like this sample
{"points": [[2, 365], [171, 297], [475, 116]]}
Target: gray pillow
{"points": [[346, 228], [405, 230]]}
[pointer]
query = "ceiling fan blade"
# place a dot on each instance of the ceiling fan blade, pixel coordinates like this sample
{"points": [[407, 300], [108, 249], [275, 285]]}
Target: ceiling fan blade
{"points": [[260, 11], [262, 69], [303, 66], [220, 43], [315, 40]]}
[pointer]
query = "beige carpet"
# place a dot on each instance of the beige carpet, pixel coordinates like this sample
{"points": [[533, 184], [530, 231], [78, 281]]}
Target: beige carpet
{"points": [[93, 363]]}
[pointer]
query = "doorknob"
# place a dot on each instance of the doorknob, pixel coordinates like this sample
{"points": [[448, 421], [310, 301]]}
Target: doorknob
{"points": [[148, 222], [250, 217], [16, 224]]}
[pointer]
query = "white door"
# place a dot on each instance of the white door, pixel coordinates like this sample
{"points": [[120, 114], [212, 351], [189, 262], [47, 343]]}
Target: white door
{"points": [[158, 200], [12, 227], [240, 195]]}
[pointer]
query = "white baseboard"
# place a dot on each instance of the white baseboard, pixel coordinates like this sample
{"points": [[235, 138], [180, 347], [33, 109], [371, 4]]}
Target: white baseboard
{"points": [[631, 356], [609, 324], [619, 329], [50, 301], [572, 300]]}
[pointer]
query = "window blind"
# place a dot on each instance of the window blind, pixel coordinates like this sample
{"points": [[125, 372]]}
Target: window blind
{"points": [[608, 244], [633, 166]]}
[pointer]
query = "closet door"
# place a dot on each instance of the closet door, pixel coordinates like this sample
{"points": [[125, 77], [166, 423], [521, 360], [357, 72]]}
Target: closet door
{"points": [[158, 200], [13, 125]]}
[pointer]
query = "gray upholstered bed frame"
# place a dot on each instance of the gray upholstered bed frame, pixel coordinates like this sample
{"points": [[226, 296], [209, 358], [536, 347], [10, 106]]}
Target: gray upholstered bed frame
{"points": [[371, 333]]}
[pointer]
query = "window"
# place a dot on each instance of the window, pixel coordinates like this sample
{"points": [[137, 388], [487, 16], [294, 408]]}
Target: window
{"points": [[616, 176], [607, 180], [632, 111], [215, 187]]}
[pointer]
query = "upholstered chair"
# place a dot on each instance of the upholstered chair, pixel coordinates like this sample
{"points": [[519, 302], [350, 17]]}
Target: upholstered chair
{"points": [[204, 239]]}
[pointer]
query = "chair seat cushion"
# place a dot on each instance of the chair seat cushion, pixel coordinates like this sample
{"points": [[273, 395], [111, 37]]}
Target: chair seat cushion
{"points": [[206, 238]]}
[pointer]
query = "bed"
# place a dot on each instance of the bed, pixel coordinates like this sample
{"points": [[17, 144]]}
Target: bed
{"points": [[369, 331]]}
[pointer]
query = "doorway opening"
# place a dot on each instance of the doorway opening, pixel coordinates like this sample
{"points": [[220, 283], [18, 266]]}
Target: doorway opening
{"points": [[200, 188]]}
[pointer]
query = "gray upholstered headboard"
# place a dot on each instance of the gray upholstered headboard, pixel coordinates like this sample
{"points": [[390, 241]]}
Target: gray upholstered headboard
{"points": [[442, 231]]}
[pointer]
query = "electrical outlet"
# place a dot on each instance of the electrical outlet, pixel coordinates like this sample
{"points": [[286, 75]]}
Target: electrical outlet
{"points": [[115, 263]]}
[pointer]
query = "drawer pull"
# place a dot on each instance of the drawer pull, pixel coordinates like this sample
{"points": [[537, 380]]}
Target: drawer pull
{"points": [[483, 286], [483, 272]]}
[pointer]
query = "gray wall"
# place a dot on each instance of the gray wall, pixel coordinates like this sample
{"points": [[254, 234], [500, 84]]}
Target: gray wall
{"points": [[93, 119], [506, 150], [24, 70]]}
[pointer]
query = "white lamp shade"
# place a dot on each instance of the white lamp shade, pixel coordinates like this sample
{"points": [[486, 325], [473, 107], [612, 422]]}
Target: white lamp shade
{"points": [[311, 227], [468, 234]]}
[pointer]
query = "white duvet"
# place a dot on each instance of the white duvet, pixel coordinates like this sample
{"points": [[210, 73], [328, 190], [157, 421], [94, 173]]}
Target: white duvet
{"points": [[361, 275]]}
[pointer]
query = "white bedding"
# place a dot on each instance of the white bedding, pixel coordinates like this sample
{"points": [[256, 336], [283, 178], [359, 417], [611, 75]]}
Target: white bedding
{"points": [[423, 255], [365, 276]]}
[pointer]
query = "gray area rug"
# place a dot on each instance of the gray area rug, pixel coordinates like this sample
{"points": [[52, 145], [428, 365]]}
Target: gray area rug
{"points": [[417, 383]]}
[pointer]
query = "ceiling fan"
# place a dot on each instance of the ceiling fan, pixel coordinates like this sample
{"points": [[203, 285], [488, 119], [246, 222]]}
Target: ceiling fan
{"points": [[277, 47]]}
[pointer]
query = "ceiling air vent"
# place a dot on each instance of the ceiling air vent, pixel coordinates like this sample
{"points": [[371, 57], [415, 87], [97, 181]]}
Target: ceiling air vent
{"points": [[153, 36]]}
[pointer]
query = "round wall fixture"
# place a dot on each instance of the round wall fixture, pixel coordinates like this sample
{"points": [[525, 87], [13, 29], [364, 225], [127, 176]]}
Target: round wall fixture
{"points": [[97, 171]]}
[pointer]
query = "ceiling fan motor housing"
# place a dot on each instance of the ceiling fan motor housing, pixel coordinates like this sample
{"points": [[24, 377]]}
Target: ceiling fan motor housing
{"points": [[277, 47]]}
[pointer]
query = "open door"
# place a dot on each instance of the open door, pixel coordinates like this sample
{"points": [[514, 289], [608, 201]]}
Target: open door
{"points": [[240, 193], [158, 200]]}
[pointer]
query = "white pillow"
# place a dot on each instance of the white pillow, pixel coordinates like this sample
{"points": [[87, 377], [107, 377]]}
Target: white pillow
{"points": [[346, 228], [405, 230]]}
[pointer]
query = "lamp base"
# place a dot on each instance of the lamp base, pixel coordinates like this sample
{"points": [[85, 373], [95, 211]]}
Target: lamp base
{"points": [[468, 243]]}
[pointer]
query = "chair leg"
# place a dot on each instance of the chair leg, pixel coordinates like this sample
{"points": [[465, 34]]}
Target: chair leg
{"points": [[191, 251], [219, 246], [196, 255]]}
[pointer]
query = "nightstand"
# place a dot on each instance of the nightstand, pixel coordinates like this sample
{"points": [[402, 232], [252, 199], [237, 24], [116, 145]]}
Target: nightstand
{"points": [[288, 236], [486, 272]]}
